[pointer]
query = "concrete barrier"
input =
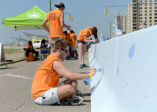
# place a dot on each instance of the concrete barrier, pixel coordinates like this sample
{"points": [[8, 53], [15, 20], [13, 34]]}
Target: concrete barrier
{"points": [[126, 80]]}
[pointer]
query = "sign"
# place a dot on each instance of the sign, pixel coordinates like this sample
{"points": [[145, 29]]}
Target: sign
{"points": [[2, 54]]}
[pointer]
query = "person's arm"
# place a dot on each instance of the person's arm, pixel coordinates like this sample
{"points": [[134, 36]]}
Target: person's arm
{"points": [[96, 38], [60, 68], [62, 22], [44, 25]]}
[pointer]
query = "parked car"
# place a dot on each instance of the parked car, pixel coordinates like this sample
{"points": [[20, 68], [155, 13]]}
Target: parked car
{"points": [[37, 42]]}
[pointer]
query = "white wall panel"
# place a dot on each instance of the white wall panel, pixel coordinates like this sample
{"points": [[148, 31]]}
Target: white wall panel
{"points": [[126, 80]]}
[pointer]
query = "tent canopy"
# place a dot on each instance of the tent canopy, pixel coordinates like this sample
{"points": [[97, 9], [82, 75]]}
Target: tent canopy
{"points": [[29, 20]]}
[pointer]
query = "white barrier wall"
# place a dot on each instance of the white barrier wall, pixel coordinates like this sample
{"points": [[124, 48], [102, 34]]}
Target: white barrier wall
{"points": [[126, 78]]}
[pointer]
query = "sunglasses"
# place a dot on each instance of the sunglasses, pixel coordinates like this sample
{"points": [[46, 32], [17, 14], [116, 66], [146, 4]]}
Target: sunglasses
{"points": [[66, 51]]}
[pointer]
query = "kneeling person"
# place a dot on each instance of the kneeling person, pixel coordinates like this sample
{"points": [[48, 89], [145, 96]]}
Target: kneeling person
{"points": [[46, 88]]}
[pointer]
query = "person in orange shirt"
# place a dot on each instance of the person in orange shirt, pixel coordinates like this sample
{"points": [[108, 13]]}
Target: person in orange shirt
{"points": [[73, 45], [68, 40], [55, 18], [46, 88], [82, 40], [30, 52]]}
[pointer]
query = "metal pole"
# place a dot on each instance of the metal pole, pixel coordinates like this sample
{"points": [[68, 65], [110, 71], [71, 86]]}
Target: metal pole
{"points": [[110, 30], [50, 5]]}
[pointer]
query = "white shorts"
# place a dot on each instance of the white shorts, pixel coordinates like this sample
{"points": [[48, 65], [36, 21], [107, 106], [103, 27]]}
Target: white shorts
{"points": [[49, 97]]}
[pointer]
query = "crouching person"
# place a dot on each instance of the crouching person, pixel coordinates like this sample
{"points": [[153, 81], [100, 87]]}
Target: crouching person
{"points": [[31, 54], [46, 88]]}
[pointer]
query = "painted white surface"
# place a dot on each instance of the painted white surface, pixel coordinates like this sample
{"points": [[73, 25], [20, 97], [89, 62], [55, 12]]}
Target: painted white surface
{"points": [[126, 80]]}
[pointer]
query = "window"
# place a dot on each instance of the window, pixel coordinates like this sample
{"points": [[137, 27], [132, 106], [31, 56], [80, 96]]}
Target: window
{"points": [[36, 41]]}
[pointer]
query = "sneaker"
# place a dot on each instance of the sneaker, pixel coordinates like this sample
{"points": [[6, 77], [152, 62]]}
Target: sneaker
{"points": [[71, 58], [81, 66], [84, 65], [77, 100], [76, 58], [65, 101]]}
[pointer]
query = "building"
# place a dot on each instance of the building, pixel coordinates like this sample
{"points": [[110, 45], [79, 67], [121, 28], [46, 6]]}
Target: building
{"points": [[121, 22], [140, 13]]}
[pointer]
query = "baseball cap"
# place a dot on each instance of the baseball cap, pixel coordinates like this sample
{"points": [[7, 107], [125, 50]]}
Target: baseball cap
{"points": [[59, 5]]}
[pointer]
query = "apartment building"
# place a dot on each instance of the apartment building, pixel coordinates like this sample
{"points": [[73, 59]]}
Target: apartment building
{"points": [[140, 12], [121, 22]]}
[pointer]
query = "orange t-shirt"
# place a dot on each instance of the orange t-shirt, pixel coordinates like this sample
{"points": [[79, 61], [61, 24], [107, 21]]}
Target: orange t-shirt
{"points": [[67, 38], [45, 77], [56, 29], [83, 33], [72, 36], [30, 57]]}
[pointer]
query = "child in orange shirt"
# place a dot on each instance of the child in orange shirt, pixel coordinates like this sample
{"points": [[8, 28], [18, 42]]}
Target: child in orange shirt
{"points": [[74, 54], [30, 52]]}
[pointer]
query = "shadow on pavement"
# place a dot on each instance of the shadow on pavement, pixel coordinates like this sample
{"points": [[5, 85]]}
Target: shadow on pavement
{"points": [[62, 105], [86, 100], [3, 67], [85, 94]]}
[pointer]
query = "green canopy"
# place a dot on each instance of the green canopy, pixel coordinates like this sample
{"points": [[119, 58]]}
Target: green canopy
{"points": [[29, 20]]}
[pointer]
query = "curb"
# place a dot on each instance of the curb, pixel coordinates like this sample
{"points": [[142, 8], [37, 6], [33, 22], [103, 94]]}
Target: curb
{"points": [[1, 64]]}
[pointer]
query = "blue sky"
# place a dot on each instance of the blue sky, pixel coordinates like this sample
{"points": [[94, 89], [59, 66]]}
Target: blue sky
{"points": [[85, 13]]}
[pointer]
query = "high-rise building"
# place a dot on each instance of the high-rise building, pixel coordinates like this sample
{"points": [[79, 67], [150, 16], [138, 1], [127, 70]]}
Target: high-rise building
{"points": [[121, 22], [140, 12]]}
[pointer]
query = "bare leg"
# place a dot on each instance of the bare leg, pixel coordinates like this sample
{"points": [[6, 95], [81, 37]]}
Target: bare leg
{"points": [[84, 50], [67, 90], [80, 48], [71, 82]]}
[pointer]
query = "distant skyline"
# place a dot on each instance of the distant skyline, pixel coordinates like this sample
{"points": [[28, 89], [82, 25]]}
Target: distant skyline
{"points": [[85, 13]]}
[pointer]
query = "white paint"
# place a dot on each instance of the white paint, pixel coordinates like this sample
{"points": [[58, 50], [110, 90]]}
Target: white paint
{"points": [[16, 76], [128, 79]]}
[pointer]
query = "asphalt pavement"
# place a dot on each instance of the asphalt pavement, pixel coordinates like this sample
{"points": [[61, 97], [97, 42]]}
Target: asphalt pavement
{"points": [[16, 82]]}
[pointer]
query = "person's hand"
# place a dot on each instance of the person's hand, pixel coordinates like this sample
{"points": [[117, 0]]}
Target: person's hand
{"points": [[93, 71], [94, 40]]}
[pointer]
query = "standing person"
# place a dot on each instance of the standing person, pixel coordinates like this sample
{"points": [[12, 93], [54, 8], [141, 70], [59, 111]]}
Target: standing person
{"points": [[69, 41], [82, 40], [70, 38], [46, 88], [55, 18], [73, 37]]}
